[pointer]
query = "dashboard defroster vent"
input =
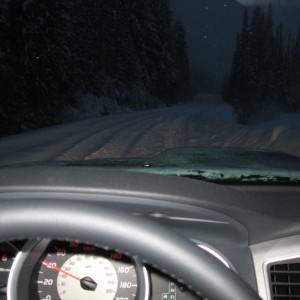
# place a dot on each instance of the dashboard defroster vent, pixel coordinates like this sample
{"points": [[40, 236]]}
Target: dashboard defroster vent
{"points": [[285, 280]]}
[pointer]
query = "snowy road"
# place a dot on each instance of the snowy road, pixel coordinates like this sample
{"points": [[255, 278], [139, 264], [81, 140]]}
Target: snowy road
{"points": [[206, 121]]}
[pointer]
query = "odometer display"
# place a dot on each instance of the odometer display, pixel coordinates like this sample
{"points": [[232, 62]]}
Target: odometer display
{"points": [[69, 270]]}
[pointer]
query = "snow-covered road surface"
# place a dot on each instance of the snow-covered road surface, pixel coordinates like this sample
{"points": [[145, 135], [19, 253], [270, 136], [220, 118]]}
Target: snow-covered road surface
{"points": [[204, 122]]}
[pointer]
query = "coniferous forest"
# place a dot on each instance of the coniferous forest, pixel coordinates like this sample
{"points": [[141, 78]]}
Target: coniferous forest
{"points": [[266, 68], [52, 51]]}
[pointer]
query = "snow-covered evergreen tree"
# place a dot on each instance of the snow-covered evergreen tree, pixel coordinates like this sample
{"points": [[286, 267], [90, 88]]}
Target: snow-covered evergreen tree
{"points": [[263, 73], [181, 75], [51, 51], [295, 72]]}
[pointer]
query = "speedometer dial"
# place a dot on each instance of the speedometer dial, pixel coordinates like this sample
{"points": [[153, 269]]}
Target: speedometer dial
{"points": [[95, 278], [68, 270]]}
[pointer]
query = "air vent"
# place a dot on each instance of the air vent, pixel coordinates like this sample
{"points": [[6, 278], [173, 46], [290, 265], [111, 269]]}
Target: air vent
{"points": [[285, 280]]}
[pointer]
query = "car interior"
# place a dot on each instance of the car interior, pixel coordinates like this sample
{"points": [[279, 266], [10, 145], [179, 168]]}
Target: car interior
{"points": [[180, 238]]}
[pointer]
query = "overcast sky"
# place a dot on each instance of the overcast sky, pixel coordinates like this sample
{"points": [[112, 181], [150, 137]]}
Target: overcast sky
{"points": [[212, 26]]}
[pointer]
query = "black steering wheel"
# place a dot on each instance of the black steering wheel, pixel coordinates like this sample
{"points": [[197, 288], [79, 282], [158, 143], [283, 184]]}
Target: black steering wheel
{"points": [[133, 235]]}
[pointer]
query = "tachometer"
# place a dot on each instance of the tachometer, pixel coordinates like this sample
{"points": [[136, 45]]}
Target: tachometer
{"points": [[69, 270]]}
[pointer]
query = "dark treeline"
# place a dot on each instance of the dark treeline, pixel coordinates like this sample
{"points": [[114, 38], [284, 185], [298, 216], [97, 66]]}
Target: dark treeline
{"points": [[53, 51], [266, 68]]}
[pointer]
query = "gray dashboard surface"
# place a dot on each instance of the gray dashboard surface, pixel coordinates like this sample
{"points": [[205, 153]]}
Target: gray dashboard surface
{"points": [[263, 218], [154, 197]]}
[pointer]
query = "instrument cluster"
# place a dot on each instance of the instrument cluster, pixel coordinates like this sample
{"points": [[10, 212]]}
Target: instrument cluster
{"points": [[61, 270]]}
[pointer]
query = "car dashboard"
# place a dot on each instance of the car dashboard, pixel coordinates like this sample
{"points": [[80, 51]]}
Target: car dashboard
{"points": [[45, 269], [252, 230]]}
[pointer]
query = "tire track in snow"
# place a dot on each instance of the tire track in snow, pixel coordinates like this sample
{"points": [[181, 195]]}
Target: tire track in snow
{"points": [[124, 139], [95, 141], [137, 137], [47, 143], [145, 133], [164, 135]]}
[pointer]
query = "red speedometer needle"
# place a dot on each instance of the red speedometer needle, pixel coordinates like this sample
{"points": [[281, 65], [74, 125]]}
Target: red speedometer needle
{"points": [[52, 266]]}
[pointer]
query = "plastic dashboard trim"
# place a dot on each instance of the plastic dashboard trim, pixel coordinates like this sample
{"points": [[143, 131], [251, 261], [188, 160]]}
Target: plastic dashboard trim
{"points": [[270, 252]]}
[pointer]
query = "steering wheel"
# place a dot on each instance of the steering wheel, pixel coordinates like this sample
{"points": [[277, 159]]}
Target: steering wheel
{"points": [[130, 234]]}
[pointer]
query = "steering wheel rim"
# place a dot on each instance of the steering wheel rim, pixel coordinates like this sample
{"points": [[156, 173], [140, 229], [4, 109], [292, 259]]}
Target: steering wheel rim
{"points": [[133, 235]]}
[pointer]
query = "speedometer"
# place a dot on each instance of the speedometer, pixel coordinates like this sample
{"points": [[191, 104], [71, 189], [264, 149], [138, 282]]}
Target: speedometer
{"points": [[70, 270], [96, 278]]}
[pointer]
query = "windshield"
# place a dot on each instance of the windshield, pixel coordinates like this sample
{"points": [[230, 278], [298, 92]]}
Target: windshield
{"points": [[93, 79]]}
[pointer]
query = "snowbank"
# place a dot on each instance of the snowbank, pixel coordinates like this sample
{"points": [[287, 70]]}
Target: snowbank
{"points": [[272, 116], [91, 106], [284, 120]]}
